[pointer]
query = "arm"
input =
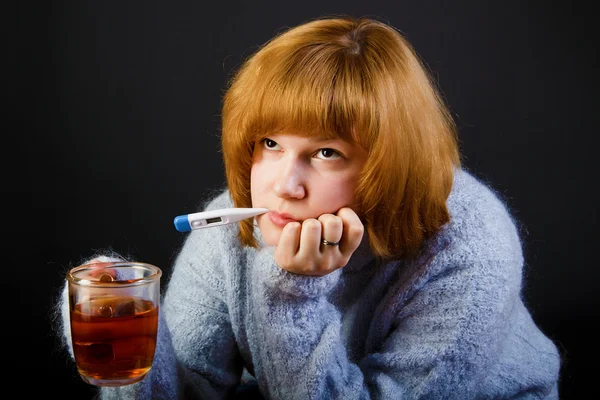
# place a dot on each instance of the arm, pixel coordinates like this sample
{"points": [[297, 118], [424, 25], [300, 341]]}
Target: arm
{"points": [[198, 317], [453, 327], [196, 355]]}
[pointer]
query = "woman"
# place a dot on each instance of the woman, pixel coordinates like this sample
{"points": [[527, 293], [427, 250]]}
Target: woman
{"points": [[383, 270]]}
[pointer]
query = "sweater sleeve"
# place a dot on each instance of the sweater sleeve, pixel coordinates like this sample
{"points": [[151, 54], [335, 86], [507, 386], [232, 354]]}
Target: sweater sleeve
{"points": [[462, 332], [196, 355], [301, 355], [452, 326]]}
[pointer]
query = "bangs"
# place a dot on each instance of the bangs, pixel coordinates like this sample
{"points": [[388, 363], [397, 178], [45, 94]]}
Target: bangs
{"points": [[307, 95]]}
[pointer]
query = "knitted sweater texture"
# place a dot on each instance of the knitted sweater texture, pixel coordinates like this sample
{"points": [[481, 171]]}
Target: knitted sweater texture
{"points": [[449, 324]]}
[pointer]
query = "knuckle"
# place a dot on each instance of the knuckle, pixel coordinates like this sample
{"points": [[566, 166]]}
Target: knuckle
{"points": [[347, 213], [311, 224], [356, 231], [326, 218], [330, 221], [337, 222], [290, 229]]}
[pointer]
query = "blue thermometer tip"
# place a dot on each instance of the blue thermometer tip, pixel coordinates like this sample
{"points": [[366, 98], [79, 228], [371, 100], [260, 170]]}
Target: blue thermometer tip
{"points": [[182, 224]]}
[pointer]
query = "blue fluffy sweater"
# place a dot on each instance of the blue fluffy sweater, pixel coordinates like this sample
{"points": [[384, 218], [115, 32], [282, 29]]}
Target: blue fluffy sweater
{"points": [[450, 324]]}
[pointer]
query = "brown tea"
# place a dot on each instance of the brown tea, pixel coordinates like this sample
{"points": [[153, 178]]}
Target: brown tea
{"points": [[114, 337]]}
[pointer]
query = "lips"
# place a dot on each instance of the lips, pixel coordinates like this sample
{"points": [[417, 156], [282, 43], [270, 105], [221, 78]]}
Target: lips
{"points": [[280, 220]]}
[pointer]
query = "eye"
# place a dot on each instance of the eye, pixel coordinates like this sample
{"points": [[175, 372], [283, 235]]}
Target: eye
{"points": [[328, 154], [270, 144]]}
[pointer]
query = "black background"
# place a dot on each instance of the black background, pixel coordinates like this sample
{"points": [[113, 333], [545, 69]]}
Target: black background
{"points": [[113, 129]]}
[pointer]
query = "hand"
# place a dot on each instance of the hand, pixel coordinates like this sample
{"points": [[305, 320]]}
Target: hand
{"points": [[300, 249], [98, 268]]}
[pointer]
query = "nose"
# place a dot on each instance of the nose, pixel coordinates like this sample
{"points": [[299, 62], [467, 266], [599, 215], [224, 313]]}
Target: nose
{"points": [[289, 183]]}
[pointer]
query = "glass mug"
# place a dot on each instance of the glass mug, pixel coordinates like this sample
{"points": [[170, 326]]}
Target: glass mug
{"points": [[113, 311]]}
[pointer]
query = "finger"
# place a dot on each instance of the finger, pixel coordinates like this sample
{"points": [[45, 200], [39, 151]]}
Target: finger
{"points": [[98, 269], [310, 238], [288, 245], [353, 231], [332, 228]]}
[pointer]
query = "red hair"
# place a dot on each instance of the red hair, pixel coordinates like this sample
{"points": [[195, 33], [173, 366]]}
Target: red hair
{"points": [[360, 80]]}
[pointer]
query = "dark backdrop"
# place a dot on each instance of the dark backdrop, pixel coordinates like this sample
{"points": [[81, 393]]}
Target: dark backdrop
{"points": [[114, 108]]}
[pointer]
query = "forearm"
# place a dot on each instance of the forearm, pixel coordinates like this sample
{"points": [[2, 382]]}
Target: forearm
{"points": [[301, 354], [162, 378], [179, 368], [198, 319], [440, 340], [169, 377]]}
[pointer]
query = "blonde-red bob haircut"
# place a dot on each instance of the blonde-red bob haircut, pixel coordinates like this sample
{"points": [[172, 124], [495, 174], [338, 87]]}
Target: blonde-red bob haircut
{"points": [[359, 80]]}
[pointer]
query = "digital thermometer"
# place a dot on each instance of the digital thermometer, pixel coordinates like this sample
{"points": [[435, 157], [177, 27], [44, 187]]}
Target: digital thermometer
{"points": [[208, 219]]}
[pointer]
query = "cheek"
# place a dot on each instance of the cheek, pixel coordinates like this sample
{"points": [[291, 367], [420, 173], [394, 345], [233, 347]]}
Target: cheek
{"points": [[336, 194], [259, 179]]}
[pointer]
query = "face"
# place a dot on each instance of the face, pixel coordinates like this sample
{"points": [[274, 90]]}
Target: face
{"points": [[300, 177]]}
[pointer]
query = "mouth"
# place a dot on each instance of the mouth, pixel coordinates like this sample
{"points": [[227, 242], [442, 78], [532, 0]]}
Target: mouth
{"points": [[280, 219]]}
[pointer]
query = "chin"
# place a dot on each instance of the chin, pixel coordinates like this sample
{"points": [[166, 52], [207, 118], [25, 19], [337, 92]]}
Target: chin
{"points": [[270, 236]]}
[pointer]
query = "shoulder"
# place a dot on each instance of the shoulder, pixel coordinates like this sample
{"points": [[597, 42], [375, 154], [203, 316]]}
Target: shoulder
{"points": [[219, 199], [209, 257], [481, 225]]}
